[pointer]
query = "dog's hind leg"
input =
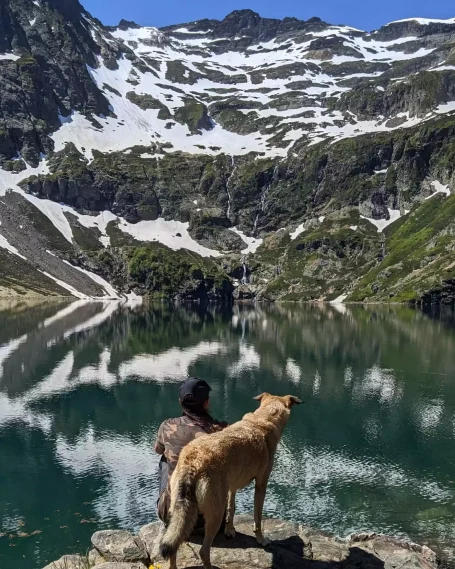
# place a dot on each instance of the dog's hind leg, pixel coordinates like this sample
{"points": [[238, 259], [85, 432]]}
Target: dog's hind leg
{"points": [[259, 497], [229, 530], [213, 518]]}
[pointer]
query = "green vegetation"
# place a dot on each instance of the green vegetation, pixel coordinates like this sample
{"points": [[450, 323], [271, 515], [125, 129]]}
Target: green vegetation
{"points": [[14, 166], [26, 60], [237, 121], [194, 115], [177, 274], [420, 255]]}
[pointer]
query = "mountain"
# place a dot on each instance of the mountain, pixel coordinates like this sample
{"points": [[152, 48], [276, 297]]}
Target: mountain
{"points": [[248, 157]]}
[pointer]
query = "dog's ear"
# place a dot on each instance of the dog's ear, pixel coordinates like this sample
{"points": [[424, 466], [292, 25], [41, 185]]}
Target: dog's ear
{"points": [[291, 400], [260, 397]]}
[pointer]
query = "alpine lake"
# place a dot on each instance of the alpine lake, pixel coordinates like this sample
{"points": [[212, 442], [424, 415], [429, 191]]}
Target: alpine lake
{"points": [[84, 387]]}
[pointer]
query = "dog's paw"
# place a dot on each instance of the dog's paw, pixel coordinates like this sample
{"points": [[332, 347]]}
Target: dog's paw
{"points": [[263, 541], [229, 533]]}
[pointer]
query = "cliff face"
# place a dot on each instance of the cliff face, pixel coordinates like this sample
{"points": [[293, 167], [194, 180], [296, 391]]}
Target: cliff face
{"points": [[297, 155]]}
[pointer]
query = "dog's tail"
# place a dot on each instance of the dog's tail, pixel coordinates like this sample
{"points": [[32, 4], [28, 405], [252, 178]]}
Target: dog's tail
{"points": [[183, 518]]}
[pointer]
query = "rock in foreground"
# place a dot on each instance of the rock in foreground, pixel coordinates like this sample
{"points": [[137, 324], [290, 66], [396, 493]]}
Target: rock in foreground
{"points": [[118, 545], [293, 546]]}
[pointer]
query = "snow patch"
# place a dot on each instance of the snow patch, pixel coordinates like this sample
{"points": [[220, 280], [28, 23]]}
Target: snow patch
{"points": [[133, 300], [166, 233], [381, 224], [253, 243], [340, 299], [66, 286], [300, 229], [439, 189], [445, 108], [4, 244], [109, 289], [54, 212], [8, 56], [424, 21], [187, 31]]}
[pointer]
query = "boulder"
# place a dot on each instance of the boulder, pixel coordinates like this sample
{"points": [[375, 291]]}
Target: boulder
{"points": [[119, 545], [243, 292], [68, 562], [150, 535], [95, 558]]}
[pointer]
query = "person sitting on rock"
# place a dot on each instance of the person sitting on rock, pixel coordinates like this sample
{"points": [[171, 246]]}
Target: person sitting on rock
{"points": [[174, 434]]}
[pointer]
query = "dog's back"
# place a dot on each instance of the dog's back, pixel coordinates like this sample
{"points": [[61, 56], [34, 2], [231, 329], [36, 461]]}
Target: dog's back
{"points": [[230, 459]]}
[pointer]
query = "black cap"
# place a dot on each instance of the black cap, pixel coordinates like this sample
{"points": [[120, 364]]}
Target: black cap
{"points": [[198, 388]]}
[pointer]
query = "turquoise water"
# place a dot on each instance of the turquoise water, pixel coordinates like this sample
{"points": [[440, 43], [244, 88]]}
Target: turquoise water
{"points": [[84, 387]]}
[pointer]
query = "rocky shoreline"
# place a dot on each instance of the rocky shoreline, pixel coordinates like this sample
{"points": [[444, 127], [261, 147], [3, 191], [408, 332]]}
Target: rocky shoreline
{"points": [[293, 546]]}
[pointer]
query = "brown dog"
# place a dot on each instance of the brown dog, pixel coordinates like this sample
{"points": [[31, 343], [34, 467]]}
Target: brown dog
{"points": [[212, 468]]}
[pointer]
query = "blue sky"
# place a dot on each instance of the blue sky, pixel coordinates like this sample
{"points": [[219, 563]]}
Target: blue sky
{"points": [[358, 13]]}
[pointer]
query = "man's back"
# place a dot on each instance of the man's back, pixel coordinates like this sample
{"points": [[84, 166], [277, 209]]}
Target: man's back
{"points": [[174, 435]]}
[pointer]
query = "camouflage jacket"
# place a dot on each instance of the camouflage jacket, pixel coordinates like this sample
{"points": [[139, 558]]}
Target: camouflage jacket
{"points": [[174, 434]]}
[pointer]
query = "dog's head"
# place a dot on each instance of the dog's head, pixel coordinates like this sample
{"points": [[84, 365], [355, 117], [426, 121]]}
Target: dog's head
{"points": [[277, 405]]}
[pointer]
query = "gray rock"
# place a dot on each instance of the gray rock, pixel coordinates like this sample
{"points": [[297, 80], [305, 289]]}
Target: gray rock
{"points": [[243, 292], [119, 546], [95, 558], [150, 536], [114, 565], [69, 562]]}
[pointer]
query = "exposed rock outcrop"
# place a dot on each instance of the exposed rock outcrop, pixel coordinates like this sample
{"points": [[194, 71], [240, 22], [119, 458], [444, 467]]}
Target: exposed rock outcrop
{"points": [[292, 545]]}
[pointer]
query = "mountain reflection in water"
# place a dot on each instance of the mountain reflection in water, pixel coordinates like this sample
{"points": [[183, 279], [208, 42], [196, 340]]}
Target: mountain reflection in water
{"points": [[85, 386]]}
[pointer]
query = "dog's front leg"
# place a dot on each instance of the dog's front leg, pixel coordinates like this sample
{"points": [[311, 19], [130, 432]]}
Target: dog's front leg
{"points": [[229, 530], [259, 497]]}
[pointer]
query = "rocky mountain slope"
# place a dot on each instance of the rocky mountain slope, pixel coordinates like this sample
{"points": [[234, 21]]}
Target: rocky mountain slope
{"points": [[248, 157]]}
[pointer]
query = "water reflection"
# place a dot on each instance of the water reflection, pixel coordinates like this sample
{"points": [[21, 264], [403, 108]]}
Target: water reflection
{"points": [[84, 387]]}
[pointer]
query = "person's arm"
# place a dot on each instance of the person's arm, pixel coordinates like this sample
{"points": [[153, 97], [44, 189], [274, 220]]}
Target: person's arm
{"points": [[220, 425], [159, 444]]}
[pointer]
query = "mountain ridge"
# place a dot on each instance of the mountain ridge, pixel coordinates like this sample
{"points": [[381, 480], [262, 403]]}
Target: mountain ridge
{"points": [[284, 153]]}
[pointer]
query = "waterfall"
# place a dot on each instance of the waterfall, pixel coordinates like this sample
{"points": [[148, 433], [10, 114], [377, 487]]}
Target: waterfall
{"points": [[383, 252], [264, 195], [228, 213], [245, 271]]}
